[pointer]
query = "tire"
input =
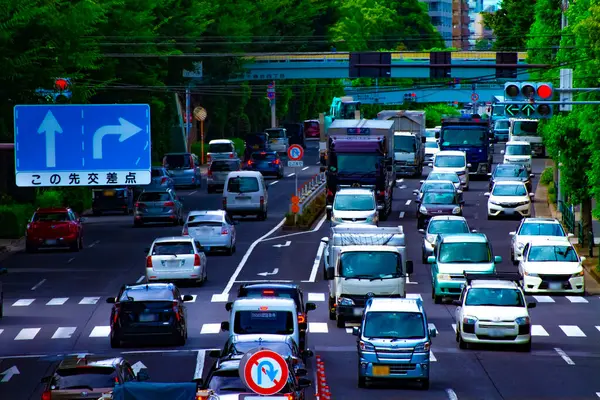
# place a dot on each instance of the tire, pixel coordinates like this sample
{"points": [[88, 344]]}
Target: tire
{"points": [[29, 248], [115, 342], [126, 211], [180, 340], [424, 384], [461, 343], [436, 299], [262, 216], [423, 257], [331, 313], [340, 322], [138, 224], [328, 215], [513, 259], [362, 381], [525, 348], [74, 247], [80, 243], [97, 213], [210, 189]]}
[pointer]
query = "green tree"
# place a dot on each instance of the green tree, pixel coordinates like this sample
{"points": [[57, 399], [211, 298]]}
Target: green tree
{"points": [[511, 23], [544, 36]]}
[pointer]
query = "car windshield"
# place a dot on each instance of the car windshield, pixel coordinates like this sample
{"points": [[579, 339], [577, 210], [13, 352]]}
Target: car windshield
{"points": [[84, 377], [265, 322], [439, 198], [405, 144], [220, 148], [430, 133], [525, 128], [432, 145], [498, 297], [509, 190], [177, 161], [170, 248], [447, 226], [394, 325], [264, 156], [437, 185], [518, 150], [443, 176], [552, 254], [227, 382], [370, 265], [284, 294], [354, 202], [502, 125], [224, 166], [541, 229], [150, 293], [465, 253], [510, 172], [280, 348], [449, 161], [157, 172], [51, 217], [154, 196], [463, 137], [357, 163], [276, 133], [242, 184]]}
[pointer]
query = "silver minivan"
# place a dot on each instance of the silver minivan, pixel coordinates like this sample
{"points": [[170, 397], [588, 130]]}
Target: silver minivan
{"points": [[218, 171], [278, 140], [184, 168], [245, 193], [220, 149]]}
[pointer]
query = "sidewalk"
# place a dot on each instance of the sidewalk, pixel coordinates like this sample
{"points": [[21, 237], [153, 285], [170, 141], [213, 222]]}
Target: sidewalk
{"points": [[10, 246]]}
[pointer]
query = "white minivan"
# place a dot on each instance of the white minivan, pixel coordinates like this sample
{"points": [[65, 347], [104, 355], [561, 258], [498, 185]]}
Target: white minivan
{"points": [[452, 161], [245, 193], [220, 149]]}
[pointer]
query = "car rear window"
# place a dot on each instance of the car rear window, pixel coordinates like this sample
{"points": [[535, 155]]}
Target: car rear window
{"points": [[243, 184], [263, 156], [205, 218], [276, 133], [265, 322], [220, 148], [54, 217], [84, 377], [154, 196], [177, 161], [161, 249], [217, 166], [228, 382], [151, 294], [282, 293]]}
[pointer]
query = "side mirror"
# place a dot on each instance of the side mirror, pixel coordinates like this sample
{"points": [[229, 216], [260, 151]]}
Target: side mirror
{"points": [[379, 207], [214, 353], [310, 307], [308, 353], [431, 260], [532, 175], [532, 195], [433, 332], [468, 165], [582, 258], [304, 383], [422, 231], [430, 165], [497, 259], [224, 326], [3, 271], [501, 151], [456, 303], [147, 250], [329, 274], [459, 191], [421, 181], [301, 372], [187, 297], [329, 207], [513, 233], [228, 306], [142, 375], [474, 231], [533, 153], [461, 202], [416, 192], [487, 194], [437, 135], [356, 331], [111, 300], [325, 239], [409, 267], [531, 305], [570, 235]]}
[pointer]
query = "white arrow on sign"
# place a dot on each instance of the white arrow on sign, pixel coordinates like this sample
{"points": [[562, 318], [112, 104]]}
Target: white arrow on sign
{"points": [[50, 128], [287, 244], [126, 130], [137, 367], [275, 271], [9, 373]]}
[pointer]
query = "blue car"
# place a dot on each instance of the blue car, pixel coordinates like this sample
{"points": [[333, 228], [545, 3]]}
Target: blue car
{"points": [[267, 163]]}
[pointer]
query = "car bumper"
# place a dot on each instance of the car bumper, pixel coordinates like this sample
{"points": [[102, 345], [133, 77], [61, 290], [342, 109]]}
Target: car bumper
{"points": [[189, 274], [209, 242], [534, 284], [215, 183], [408, 169], [185, 181], [147, 217], [246, 209], [417, 367], [449, 288], [501, 137], [63, 241], [520, 211], [495, 335]]}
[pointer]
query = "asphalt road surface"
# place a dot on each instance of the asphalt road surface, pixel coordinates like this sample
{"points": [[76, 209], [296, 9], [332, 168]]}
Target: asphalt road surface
{"points": [[55, 305]]}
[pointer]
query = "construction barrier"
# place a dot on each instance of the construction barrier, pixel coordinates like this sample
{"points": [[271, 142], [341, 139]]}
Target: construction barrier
{"points": [[307, 192]]}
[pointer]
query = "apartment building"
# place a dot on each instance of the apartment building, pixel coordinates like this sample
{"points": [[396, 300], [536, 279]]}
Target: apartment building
{"points": [[440, 12]]}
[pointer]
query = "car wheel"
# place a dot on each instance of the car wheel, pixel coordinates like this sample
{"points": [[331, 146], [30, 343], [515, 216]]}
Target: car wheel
{"points": [[97, 213], [115, 342], [80, 243], [29, 248], [75, 246], [180, 339], [126, 211], [489, 217], [423, 257], [461, 343], [138, 224], [339, 321], [436, 299], [526, 347], [230, 250], [424, 384], [262, 216], [362, 380]]}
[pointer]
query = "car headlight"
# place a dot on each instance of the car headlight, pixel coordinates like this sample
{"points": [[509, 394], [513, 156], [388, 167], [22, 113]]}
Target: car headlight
{"points": [[422, 348], [366, 346], [520, 245], [422, 210], [430, 238], [523, 203], [443, 277], [469, 320], [530, 274], [456, 210], [344, 301], [523, 321], [494, 203], [336, 219], [577, 274]]}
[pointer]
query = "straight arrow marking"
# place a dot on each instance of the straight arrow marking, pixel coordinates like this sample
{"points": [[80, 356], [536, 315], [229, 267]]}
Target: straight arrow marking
{"points": [[9, 373], [50, 127]]}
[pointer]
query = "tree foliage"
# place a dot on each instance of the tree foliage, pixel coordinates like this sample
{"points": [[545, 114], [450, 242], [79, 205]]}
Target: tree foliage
{"points": [[511, 23]]}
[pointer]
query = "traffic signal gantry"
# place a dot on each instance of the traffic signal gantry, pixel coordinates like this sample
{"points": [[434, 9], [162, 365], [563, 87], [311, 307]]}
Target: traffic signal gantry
{"points": [[533, 99]]}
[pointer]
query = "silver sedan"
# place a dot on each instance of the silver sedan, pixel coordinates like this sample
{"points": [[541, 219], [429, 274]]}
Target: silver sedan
{"points": [[176, 258], [215, 230]]}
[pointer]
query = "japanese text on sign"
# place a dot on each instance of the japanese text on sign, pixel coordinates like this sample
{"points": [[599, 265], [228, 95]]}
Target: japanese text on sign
{"points": [[104, 178]]}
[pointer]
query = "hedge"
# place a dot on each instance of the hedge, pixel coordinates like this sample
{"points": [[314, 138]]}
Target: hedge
{"points": [[239, 144], [14, 219], [310, 214]]}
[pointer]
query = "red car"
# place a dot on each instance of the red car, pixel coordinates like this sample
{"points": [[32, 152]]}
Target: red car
{"points": [[311, 128], [54, 227]]}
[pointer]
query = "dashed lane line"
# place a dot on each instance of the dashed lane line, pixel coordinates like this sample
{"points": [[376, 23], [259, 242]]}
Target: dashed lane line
{"points": [[564, 356], [305, 168], [40, 283], [292, 174], [272, 183], [401, 214], [408, 202]]}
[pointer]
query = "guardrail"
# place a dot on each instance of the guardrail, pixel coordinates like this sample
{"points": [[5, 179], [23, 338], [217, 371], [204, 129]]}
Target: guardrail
{"points": [[310, 190]]}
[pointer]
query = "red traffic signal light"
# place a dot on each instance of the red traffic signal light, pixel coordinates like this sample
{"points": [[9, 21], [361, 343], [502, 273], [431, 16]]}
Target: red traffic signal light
{"points": [[61, 84], [512, 90], [527, 90], [413, 95], [544, 91]]}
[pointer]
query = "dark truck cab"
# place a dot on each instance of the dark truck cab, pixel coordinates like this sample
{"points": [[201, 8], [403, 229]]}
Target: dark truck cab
{"points": [[470, 134]]}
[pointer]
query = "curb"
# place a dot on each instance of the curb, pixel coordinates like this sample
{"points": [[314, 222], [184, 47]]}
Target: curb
{"points": [[16, 246]]}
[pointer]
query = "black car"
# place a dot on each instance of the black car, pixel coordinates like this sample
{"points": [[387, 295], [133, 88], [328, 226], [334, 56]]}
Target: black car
{"points": [[438, 202], [255, 142], [2, 272], [268, 163], [282, 345], [153, 310], [295, 133], [112, 199], [286, 290], [511, 172]]}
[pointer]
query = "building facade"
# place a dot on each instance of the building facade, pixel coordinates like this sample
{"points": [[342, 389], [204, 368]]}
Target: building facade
{"points": [[440, 12], [460, 24], [475, 8]]}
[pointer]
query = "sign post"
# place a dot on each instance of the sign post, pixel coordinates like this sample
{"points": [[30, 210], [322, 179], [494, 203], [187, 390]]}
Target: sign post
{"points": [[264, 371], [271, 97], [200, 114], [295, 154]]}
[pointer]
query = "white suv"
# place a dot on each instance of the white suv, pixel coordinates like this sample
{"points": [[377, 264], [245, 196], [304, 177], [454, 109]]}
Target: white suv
{"points": [[492, 310], [354, 206], [531, 228], [509, 199]]}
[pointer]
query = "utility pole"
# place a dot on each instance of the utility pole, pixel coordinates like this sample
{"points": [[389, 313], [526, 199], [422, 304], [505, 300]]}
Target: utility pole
{"points": [[188, 115], [566, 82]]}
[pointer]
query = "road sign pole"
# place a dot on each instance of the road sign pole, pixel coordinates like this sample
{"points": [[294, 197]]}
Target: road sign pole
{"points": [[202, 141], [188, 113]]}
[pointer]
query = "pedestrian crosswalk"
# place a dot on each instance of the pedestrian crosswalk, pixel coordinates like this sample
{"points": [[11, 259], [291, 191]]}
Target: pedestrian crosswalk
{"points": [[61, 301]]}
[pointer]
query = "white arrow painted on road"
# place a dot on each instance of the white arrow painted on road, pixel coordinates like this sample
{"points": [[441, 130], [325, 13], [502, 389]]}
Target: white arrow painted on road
{"points": [[9, 373], [50, 128], [137, 367], [275, 271], [287, 244], [126, 130]]}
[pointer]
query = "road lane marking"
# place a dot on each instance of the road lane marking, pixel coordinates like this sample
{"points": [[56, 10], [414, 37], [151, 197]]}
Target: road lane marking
{"points": [[140, 279], [316, 297], [292, 174], [543, 299], [40, 283], [349, 330], [318, 327], [564, 356], [316, 228], [432, 357], [191, 193], [64, 332], [316, 263], [240, 266], [598, 394], [572, 330], [27, 333], [1, 330], [577, 299], [305, 168], [200, 359], [538, 330], [272, 183], [408, 202], [451, 394], [401, 214], [209, 329], [414, 296], [57, 301], [93, 244], [23, 302], [219, 298], [100, 331], [409, 282], [193, 300], [70, 260], [454, 327], [89, 300]]}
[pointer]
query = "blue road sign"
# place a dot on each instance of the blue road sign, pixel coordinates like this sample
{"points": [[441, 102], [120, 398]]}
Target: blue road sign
{"points": [[82, 145]]}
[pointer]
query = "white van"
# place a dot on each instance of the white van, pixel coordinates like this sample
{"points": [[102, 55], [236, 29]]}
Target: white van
{"points": [[263, 316], [452, 161], [245, 193], [278, 140], [518, 152], [220, 149]]}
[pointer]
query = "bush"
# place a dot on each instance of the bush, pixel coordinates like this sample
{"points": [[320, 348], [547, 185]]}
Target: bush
{"points": [[79, 198], [552, 193], [547, 176], [309, 215], [49, 198], [14, 219]]}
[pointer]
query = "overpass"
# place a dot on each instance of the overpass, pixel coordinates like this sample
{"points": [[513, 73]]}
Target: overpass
{"points": [[416, 65]]}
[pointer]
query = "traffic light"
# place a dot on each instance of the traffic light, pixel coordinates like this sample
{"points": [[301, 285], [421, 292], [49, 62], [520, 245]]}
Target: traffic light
{"points": [[62, 90], [532, 95], [410, 97]]}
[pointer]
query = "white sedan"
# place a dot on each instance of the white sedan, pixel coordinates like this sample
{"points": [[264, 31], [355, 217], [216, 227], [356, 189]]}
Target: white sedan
{"points": [[531, 228], [510, 199], [551, 265], [176, 258]]}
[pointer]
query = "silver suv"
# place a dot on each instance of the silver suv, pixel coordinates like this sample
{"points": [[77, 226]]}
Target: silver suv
{"points": [[354, 206]]}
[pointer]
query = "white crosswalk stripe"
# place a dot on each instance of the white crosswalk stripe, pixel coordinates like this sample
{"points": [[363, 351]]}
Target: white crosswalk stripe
{"points": [[572, 330], [538, 330], [100, 331], [64, 332], [316, 297], [1, 330], [413, 296], [543, 299], [208, 329], [194, 297], [454, 327], [57, 301], [577, 299], [23, 302], [432, 357], [89, 300], [27, 334], [318, 327]]}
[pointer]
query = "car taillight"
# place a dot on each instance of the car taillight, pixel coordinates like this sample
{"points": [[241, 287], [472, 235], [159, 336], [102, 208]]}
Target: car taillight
{"points": [[176, 310], [224, 230], [224, 203], [250, 162], [209, 173], [196, 260], [116, 316], [329, 193], [268, 293], [149, 262], [185, 231], [138, 205], [301, 318], [382, 193], [276, 162], [47, 395], [230, 155], [163, 180], [290, 396], [169, 204], [208, 158], [262, 201]]}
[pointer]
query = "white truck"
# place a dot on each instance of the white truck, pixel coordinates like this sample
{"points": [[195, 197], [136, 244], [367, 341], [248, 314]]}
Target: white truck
{"points": [[363, 262], [409, 139], [526, 130]]}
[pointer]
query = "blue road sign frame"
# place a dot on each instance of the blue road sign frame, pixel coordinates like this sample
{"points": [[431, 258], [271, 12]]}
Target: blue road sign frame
{"points": [[82, 145]]}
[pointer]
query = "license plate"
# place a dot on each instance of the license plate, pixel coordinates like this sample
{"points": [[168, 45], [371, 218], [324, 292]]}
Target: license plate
{"points": [[381, 370], [51, 242], [148, 318], [555, 285], [109, 193], [357, 312], [495, 332], [242, 198], [509, 211]]}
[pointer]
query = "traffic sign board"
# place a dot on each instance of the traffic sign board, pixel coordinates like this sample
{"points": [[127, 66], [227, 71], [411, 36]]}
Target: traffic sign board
{"points": [[512, 109], [474, 97], [295, 164], [264, 371], [271, 94], [528, 110], [82, 145], [295, 152]]}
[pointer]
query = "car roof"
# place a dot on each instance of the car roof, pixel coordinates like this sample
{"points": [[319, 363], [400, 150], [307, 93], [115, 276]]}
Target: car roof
{"points": [[158, 190], [394, 305], [44, 210], [465, 237], [271, 285], [494, 284], [355, 191], [549, 241], [220, 141], [518, 142], [506, 183], [450, 153], [447, 218], [89, 360], [242, 174], [151, 286], [199, 213], [167, 239], [537, 220]]}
